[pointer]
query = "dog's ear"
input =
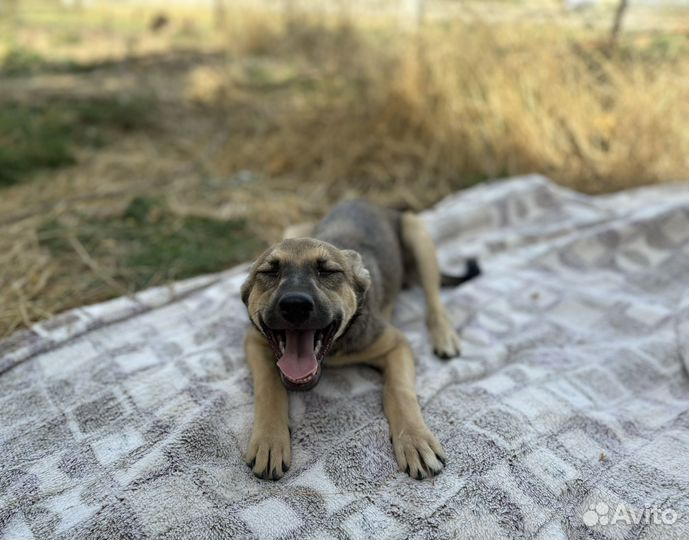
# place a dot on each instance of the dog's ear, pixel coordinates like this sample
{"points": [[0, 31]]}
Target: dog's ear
{"points": [[362, 278], [245, 289]]}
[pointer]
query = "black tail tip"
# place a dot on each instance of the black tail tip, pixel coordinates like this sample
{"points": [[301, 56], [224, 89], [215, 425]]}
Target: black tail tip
{"points": [[473, 269]]}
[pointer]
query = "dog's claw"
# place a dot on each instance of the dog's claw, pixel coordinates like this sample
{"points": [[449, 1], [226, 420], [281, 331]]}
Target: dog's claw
{"points": [[445, 341], [269, 453], [446, 355], [418, 452]]}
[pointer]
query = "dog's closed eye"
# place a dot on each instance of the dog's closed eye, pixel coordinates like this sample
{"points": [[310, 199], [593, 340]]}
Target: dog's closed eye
{"points": [[328, 271], [269, 270], [326, 268]]}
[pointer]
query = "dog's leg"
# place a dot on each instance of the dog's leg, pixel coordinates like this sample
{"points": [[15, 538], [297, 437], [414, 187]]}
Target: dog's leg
{"points": [[269, 452], [417, 450], [298, 230], [419, 243]]}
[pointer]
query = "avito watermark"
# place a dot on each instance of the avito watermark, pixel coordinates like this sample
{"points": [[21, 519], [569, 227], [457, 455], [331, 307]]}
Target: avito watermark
{"points": [[602, 514]]}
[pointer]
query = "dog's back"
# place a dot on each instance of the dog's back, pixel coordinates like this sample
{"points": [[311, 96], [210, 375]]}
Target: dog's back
{"points": [[374, 232]]}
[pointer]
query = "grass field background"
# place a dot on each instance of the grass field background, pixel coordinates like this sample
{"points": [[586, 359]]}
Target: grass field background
{"points": [[143, 143]]}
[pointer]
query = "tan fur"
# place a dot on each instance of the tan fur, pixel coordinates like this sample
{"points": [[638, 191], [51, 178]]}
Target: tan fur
{"points": [[258, 291], [416, 449], [269, 448], [410, 436], [298, 230], [420, 245]]}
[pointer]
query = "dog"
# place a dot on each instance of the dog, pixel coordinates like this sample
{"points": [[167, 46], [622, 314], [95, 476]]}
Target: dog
{"points": [[325, 294]]}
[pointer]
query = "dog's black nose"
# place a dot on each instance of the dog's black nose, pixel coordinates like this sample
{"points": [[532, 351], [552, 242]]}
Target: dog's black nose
{"points": [[296, 307]]}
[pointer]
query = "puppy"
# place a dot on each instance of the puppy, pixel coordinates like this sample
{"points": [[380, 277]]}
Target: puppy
{"points": [[328, 298]]}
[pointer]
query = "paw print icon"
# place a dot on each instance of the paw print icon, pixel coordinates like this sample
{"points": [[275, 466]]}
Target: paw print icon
{"points": [[597, 514]]}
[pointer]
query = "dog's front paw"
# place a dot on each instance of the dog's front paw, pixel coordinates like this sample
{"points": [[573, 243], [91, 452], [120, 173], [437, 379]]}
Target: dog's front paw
{"points": [[269, 453], [418, 453], [445, 340]]}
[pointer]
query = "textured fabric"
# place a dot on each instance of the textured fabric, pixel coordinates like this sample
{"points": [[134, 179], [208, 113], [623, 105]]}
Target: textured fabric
{"points": [[128, 419]]}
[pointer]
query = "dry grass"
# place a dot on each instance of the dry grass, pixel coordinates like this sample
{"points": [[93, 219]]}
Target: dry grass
{"points": [[411, 118], [272, 120]]}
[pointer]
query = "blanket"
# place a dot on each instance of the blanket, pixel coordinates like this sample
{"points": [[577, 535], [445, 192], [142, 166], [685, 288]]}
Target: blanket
{"points": [[567, 415]]}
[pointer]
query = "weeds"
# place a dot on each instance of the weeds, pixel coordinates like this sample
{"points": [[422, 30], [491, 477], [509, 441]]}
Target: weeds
{"points": [[20, 60], [145, 245], [133, 164], [34, 137], [29, 141]]}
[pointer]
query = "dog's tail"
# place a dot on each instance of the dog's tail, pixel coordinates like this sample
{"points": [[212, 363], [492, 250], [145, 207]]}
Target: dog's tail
{"points": [[472, 270]]}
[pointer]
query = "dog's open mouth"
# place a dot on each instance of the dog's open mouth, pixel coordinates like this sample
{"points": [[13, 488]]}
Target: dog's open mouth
{"points": [[300, 352]]}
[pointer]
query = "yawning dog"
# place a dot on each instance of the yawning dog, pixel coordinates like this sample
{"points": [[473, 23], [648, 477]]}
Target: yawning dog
{"points": [[325, 295]]}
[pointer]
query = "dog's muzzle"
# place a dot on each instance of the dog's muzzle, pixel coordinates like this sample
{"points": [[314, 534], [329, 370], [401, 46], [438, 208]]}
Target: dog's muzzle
{"points": [[299, 353]]}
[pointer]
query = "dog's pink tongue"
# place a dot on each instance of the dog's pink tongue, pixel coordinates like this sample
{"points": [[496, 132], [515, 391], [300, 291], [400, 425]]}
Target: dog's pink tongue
{"points": [[299, 360]]}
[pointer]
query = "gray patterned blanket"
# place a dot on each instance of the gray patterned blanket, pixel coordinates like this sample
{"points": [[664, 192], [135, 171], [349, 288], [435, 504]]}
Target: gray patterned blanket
{"points": [[566, 417]]}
